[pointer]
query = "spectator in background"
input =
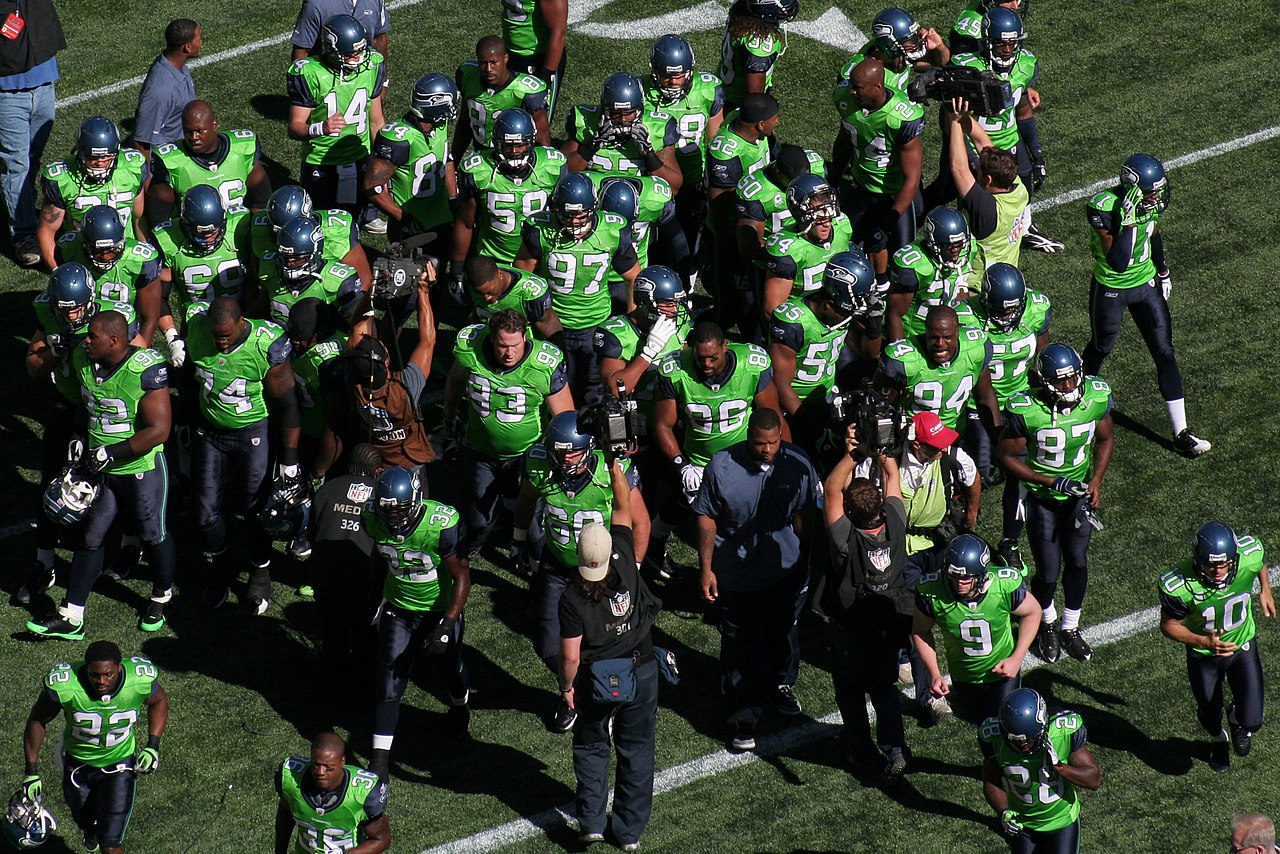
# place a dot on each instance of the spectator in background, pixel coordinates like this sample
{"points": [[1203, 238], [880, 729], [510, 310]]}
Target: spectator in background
{"points": [[28, 70], [311, 17], [168, 88], [1253, 833]]}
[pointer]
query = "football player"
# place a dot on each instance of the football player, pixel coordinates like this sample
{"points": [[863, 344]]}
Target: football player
{"points": [[966, 32], [507, 381], [299, 269], [899, 42], [794, 259], [426, 589], [96, 173], [622, 135], [762, 198], [1033, 766], [573, 246], [499, 188], [488, 87], [317, 373], [1058, 441], [973, 604], [938, 269], [754, 40], [645, 203], [1206, 604], [229, 162], [494, 287], [534, 31], [631, 346], [100, 700], [335, 109], [329, 802], [1130, 274], [411, 174]]}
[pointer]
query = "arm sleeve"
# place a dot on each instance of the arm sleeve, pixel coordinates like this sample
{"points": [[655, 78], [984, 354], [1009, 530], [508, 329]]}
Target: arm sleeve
{"points": [[299, 92], [902, 280], [1157, 252], [790, 335], [1015, 424], [1173, 606], [155, 377], [922, 602], [537, 307], [52, 195], [1079, 737], [1016, 596], [529, 236], [671, 134], [665, 389], [717, 102], [751, 209], [909, 131], [380, 82], [389, 148], [783, 266], [159, 171], [606, 344], [414, 381], [151, 269], [376, 803], [467, 185], [625, 256], [535, 102], [559, 377], [724, 174], [893, 371], [765, 379], [448, 542], [980, 206]]}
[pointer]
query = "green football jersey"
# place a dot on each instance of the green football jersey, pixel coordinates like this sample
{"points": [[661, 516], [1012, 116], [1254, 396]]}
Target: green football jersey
{"points": [[762, 200], [182, 170], [335, 284], [329, 830], [523, 92], [203, 277], [715, 416], [66, 186], [504, 416], [63, 379], [578, 270], [944, 389], [114, 403], [337, 226], [1059, 444], [565, 514], [416, 577], [503, 203], [306, 374], [912, 270], [877, 138], [653, 198], [731, 159], [740, 54], [796, 257], [623, 159], [523, 27], [618, 338], [1103, 212], [1205, 610], [311, 83], [894, 80], [1012, 351], [1003, 127], [529, 294], [692, 113], [976, 635], [231, 384], [138, 266], [969, 22], [816, 345], [99, 732], [1038, 795], [418, 184]]}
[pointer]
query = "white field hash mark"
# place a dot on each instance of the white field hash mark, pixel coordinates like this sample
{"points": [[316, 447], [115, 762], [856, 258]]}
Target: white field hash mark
{"points": [[713, 764]]}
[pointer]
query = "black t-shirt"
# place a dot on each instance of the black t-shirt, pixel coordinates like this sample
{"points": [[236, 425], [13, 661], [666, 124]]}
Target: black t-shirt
{"points": [[980, 206], [337, 510], [617, 624]]}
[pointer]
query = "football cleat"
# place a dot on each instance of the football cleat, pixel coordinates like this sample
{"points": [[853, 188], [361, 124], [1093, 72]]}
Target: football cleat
{"points": [[1220, 753], [1241, 738], [56, 626], [1037, 241], [1190, 445], [1074, 644], [788, 703], [744, 736], [1048, 643]]}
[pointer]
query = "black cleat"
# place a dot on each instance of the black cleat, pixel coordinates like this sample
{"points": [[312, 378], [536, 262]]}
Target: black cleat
{"points": [[1220, 753], [788, 704], [744, 736], [1048, 644], [1074, 644], [1190, 445], [1037, 241], [56, 626], [1241, 738], [894, 767], [152, 617]]}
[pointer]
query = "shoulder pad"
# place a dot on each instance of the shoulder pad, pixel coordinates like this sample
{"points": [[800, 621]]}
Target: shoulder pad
{"points": [[1103, 200], [552, 154], [1037, 297], [340, 269], [1247, 544], [930, 578], [243, 134], [133, 155], [990, 729], [900, 349], [975, 334], [536, 452], [756, 350], [528, 81], [471, 333], [708, 77], [70, 237]]}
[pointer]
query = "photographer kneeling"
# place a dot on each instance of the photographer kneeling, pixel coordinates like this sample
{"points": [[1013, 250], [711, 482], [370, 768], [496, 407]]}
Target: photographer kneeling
{"points": [[868, 605], [609, 675]]}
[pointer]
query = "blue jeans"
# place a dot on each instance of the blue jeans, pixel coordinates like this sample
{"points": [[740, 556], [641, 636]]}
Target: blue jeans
{"points": [[26, 118]]}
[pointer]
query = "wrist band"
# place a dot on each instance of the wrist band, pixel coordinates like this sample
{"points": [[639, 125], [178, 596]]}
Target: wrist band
{"points": [[316, 129]]}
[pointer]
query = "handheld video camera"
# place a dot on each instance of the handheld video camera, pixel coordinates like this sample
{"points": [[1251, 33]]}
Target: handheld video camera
{"points": [[879, 423], [395, 274], [986, 93], [614, 422]]}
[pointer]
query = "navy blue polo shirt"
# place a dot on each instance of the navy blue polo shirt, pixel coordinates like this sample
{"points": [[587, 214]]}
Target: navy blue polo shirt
{"points": [[753, 507], [165, 94], [306, 30]]}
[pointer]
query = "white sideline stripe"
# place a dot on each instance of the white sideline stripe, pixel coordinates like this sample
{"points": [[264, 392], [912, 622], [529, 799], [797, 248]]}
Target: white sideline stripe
{"points": [[721, 761], [1183, 160]]}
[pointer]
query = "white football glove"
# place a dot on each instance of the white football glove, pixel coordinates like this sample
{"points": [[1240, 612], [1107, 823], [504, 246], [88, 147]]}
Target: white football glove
{"points": [[177, 348], [691, 479], [640, 135], [664, 328], [1165, 280], [1129, 206]]}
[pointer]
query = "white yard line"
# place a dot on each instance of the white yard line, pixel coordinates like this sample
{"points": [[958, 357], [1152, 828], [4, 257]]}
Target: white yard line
{"points": [[721, 761]]}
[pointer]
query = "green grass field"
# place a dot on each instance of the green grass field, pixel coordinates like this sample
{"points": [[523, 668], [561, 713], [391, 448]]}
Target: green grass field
{"points": [[1168, 78]]}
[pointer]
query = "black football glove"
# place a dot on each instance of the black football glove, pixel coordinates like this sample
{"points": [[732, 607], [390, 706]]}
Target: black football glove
{"points": [[442, 637]]}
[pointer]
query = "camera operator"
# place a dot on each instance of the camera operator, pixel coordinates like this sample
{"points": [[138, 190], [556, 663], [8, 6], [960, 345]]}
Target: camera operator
{"points": [[994, 198], [869, 605]]}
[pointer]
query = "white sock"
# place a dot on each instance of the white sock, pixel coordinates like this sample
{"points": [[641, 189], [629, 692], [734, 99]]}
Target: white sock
{"points": [[74, 613], [45, 557], [1050, 613], [1177, 414], [383, 742], [1070, 618]]}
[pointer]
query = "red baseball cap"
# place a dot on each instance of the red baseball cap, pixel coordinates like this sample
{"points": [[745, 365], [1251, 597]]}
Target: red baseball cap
{"points": [[931, 430]]}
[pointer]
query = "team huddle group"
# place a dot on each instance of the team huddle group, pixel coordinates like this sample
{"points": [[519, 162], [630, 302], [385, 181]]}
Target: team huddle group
{"points": [[209, 337]]}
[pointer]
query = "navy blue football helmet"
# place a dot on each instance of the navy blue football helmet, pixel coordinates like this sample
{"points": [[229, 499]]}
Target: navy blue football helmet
{"points": [[946, 237], [621, 196], [671, 57], [622, 99], [434, 99], [27, 823], [1024, 721], [344, 45], [850, 282], [514, 136], [286, 513], [1004, 296], [1002, 38], [896, 33], [775, 12], [659, 286], [564, 439], [102, 236], [203, 219], [1216, 555], [73, 295], [573, 204], [967, 558], [288, 203], [70, 495], [1062, 373], [300, 250], [397, 500], [811, 200], [1147, 173], [98, 139]]}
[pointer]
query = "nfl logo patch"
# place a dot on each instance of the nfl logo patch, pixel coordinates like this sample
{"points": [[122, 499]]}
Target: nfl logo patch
{"points": [[620, 604], [879, 559], [359, 493]]}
